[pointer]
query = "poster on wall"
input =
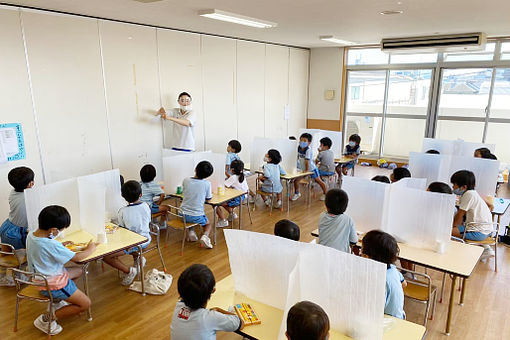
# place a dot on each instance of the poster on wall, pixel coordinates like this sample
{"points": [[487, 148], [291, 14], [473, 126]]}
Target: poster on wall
{"points": [[12, 142]]}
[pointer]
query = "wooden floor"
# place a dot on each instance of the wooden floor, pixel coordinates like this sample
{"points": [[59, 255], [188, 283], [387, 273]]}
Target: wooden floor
{"points": [[122, 314]]}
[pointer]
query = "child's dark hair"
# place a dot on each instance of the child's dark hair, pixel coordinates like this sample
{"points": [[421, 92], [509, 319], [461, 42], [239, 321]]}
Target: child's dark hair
{"points": [[234, 144], [464, 177], [484, 152], [287, 229], [182, 94], [492, 156], [147, 173], [355, 138], [195, 286], [54, 216], [439, 187], [432, 151], [20, 177], [307, 136], [381, 178], [336, 201], [326, 141], [237, 168], [275, 156], [121, 181], [204, 169], [399, 173], [380, 246], [292, 137], [307, 321], [131, 191]]}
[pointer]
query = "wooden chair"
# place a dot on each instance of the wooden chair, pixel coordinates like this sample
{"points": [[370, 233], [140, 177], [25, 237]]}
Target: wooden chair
{"points": [[443, 283], [331, 181], [273, 195], [491, 240], [9, 259], [247, 203], [27, 289], [308, 183], [154, 231], [421, 290], [178, 222]]}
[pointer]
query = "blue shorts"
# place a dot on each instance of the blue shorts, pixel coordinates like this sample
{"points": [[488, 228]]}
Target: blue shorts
{"points": [[473, 235], [349, 165], [315, 174], [236, 201], [135, 249], [154, 208], [326, 173], [64, 293], [13, 235], [202, 220]]}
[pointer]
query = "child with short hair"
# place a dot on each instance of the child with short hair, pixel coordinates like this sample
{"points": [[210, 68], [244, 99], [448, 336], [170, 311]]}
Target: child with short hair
{"points": [[136, 216], [307, 321], [191, 319], [306, 164], [287, 229], [326, 158], [439, 187], [382, 247], [238, 182], [380, 178], [352, 150], [233, 149], [47, 256], [271, 177], [195, 192], [433, 152], [399, 173], [336, 229], [151, 189]]}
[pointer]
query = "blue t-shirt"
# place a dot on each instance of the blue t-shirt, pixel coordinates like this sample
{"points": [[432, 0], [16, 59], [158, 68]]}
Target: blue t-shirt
{"points": [[136, 217], [394, 305], [194, 194], [149, 190], [46, 256], [304, 155], [272, 172], [231, 156]]}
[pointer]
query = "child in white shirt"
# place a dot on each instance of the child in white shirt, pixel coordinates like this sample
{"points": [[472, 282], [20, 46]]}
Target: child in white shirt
{"points": [[191, 319], [236, 181]]}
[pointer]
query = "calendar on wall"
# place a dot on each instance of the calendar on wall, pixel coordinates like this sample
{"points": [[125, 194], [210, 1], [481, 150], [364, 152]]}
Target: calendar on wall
{"points": [[12, 144]]}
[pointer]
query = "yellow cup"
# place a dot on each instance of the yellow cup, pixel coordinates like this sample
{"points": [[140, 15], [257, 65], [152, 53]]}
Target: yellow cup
{"points": [[221, 190]]}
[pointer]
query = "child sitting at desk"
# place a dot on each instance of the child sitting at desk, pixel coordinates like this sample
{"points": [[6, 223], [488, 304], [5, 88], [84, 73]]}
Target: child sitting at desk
{"points": [[306, 164], [233, 148], [271, 177], [238, 182], [399, 173], [326, 158], [336, 229], [191, 319], [439, 187], [307, 321], [195, 192], [287, 229], [381, 178], [47, 256], [151, 189], [380, 246], [352, 150], [136, 217]]}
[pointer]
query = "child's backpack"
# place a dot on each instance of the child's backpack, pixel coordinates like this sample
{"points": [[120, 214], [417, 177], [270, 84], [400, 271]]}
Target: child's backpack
{"points": [[505, 239]]}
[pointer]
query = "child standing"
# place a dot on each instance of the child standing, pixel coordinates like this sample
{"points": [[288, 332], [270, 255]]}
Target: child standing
{"points": [[238, 182], [352, 150], [195, 192], [136, 216], [307, 321], [306, 164], [191, 319], [382, 247], [326, 158], [336, 229], [233, 148], [287, 229], [151, 189], [271, 177], [47, 256]]}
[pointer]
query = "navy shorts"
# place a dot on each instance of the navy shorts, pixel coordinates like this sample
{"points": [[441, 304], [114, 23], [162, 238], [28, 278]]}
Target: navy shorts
{"points": [[154, 208], [326, 173], [202, 220]]}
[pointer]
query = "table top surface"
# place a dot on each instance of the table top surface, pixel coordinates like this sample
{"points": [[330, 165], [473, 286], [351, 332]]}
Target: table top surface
{"points": [[119, 240], [500, 205], [271, 317], [344, 159], [460, 259], [219, 199]]}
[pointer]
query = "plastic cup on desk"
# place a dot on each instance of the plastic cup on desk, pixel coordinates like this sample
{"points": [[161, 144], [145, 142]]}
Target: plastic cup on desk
{"points": [[440, 247], [221, 190], [179, 190], [101, 238]]}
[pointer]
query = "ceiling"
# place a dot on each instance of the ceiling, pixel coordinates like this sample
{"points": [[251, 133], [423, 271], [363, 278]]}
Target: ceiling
{"points": [[301, 22]]}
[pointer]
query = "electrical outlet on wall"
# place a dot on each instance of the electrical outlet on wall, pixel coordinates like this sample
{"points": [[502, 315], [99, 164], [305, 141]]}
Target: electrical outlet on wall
{"points": [[329, 94]]}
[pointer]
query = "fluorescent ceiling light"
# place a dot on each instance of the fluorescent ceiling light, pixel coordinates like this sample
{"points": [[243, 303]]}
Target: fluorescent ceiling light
{"points": [[236, 18], [332, 39]]}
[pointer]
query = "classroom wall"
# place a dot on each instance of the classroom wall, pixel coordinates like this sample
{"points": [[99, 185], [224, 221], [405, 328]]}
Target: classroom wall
{"points": [[89, 90], [326, 65]]}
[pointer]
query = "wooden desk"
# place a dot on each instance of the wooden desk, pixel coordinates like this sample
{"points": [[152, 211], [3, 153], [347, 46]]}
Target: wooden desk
{"points": [[271, 317], [218, 200], [344, 160], [121, 239], [459, 261]]}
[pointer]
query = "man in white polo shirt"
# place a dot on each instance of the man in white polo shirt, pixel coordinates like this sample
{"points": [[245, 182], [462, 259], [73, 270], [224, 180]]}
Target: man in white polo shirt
{"points": [[183, 118]]}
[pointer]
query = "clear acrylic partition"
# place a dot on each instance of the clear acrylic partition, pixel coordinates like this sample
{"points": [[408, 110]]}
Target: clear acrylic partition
{"points": [[175, 169], [430, 166], [467, 149], [410, 182], [336, 139], [259, 148], [486, 172], [288, 150], [218, 162], [445, 147], [367, 201], [64, 193], [92, 207]]}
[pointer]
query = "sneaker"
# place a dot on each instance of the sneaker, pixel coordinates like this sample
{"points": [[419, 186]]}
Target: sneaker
{"points": [[222, 223], [6, 281], [233, 216], [206, 242], [192, 236], [278, 204], [57, 305], [323, 197], [128, 278], [488, 252], [296, 196], [267, 202], [42, 325]]}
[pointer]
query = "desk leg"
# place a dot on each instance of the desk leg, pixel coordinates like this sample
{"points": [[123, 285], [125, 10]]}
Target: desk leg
{"points": [[288, 195], [140, 268], [240, 214], [85, 274], [214, 223], [464, 281], [450, 305]]}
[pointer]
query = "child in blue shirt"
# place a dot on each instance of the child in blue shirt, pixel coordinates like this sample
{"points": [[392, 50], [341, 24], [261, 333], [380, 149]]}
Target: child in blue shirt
{"points": [[136, 216], [306, 164], [352, 150], [271, 177], [380, 246], [47, 256], [233, 148], [195, 192], [151, 189]]}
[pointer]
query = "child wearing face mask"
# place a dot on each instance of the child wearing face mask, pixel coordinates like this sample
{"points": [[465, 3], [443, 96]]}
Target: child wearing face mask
{"points": [[47, 256], [271, 177], [306, 164], [352, 150]]}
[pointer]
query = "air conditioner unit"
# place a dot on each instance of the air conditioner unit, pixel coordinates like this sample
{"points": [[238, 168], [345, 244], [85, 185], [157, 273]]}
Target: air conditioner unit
{"points": [[436, 43]]}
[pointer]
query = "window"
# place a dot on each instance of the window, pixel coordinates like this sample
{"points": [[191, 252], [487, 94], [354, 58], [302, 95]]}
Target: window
{"points": [[369, 129], [402, 136], [408, 92], [366, 56], [355, 92], [505, 51], [369, 86], [485, 54], [413, 58], [500, 104]]}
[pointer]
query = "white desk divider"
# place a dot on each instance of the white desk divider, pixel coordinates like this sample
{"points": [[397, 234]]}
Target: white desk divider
{"points": [[454, 147], [287, 148], [296, 267], [317, 135], [411, 182]]}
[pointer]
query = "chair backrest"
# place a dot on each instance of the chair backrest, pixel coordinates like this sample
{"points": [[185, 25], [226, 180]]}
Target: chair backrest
{"points": [[23, 278], [11, 250], [425, 279], [9, 254], [174, 211]]}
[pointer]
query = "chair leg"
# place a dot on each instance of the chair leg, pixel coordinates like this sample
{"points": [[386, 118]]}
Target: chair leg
{"points": [[271, 205], [249, 212], [161, 256], [16, 315], [496, 256], [426, 317], [183, 239], [434, 302]]}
